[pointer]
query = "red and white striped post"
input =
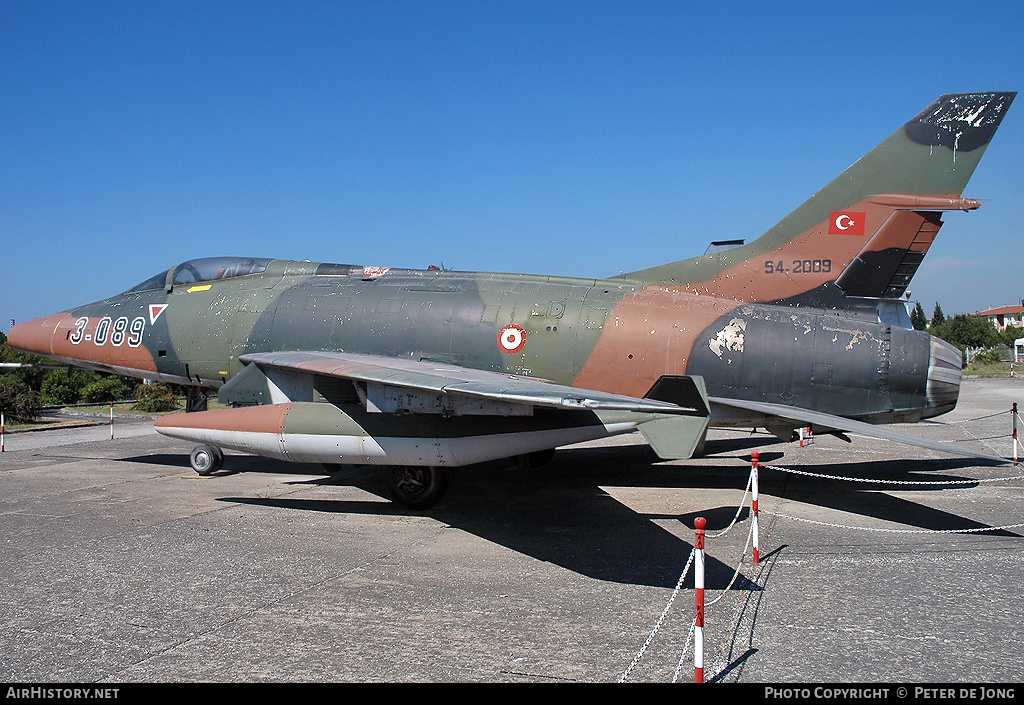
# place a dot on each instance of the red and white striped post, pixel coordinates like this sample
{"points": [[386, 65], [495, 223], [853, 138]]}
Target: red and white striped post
{"points": [[3, 430], [698, 581], [806, 436], [753, 492], [1014, 433]]}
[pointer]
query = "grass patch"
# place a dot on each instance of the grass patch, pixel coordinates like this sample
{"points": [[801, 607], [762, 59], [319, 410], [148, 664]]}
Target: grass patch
{"points": [[993, 369], [43, 422]]}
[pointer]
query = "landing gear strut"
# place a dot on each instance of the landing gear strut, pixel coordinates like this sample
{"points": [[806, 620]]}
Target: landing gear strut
{"points": [[196, 399], [417, 487], [533, 461], [206, 460]]}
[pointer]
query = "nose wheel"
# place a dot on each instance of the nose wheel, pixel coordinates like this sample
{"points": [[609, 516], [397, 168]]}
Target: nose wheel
{"points": [[206, 460]]}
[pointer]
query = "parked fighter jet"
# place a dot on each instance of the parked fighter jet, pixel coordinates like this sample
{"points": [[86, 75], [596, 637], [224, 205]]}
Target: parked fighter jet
{"points": [[421, 370]]}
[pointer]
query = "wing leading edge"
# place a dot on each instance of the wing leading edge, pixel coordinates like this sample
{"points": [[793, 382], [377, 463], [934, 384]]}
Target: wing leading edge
{"points": [[443, 378]]}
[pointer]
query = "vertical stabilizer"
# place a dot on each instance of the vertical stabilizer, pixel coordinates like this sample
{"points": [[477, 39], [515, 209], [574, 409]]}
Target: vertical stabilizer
{"points": [[869, 227]]}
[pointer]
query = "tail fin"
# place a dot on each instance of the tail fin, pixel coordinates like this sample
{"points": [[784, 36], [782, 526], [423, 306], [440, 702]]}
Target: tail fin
{"points": [[865, 233]]}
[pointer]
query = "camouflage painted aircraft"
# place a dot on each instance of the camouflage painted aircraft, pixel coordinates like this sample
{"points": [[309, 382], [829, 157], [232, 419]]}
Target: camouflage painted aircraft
{"points": [[422, 370]]}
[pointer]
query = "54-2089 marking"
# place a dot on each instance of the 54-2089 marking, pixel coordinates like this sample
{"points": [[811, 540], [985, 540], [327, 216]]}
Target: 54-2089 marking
{"points": [[798, 266]]}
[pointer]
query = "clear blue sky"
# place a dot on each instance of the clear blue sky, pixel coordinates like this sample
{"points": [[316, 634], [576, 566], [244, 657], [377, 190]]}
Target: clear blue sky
{"points": [[577, 138]]}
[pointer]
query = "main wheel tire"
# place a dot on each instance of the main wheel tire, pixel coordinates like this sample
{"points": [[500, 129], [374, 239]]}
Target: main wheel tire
{"points": [[206, 460], [417, 486]]}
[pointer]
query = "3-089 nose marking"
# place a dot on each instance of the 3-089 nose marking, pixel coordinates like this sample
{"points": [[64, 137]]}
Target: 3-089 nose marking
{"points": [[117, 331]]}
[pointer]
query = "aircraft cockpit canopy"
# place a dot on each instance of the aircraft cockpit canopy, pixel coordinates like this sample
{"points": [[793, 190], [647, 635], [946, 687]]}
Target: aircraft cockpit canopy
{"points": [[206, 269]]}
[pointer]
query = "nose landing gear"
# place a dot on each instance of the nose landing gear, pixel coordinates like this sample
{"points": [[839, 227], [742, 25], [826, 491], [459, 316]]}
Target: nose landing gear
{"points": [[206, 460]]}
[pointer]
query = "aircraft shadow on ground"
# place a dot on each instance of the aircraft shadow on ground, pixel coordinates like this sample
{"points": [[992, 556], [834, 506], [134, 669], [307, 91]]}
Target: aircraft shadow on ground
{"points": [[561, 514]]}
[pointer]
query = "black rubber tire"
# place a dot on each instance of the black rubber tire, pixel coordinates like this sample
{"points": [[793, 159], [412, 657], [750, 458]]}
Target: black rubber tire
{"points": [[417, 487], [206, 460]]}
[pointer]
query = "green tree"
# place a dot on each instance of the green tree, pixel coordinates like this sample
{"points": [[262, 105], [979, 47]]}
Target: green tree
{"points": [[17, 400], [1010, 334], [62, 387], [966, 331], [103, 389], [155, 398], [937, 318], [917, 318], [32, 375]]}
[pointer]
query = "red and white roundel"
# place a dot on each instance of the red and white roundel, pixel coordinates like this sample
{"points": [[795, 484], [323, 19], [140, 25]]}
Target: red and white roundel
{"points": [[511, 339]]}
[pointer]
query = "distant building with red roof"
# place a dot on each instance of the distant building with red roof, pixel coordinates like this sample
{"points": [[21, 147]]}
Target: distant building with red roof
{"points": [[1004, 316]]}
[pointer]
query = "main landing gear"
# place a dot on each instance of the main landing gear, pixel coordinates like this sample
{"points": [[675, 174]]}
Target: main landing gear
{"points": [[417, 486], [413, 486]]}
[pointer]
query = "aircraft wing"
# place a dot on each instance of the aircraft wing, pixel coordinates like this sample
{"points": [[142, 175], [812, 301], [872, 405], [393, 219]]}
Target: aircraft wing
{"points": [[839, 423], [442, 378], [416, 412]]}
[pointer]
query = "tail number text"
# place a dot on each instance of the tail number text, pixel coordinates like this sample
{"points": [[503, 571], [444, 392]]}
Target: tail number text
{"points": [[799, 266]]}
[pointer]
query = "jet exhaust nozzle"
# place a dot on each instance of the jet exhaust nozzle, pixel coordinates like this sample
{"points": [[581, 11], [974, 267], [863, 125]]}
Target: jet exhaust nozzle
{"points": [[944, 371]]}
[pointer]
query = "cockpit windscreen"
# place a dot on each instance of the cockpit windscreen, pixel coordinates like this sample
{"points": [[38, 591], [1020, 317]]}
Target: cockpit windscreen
{"points": [[206, 269]]}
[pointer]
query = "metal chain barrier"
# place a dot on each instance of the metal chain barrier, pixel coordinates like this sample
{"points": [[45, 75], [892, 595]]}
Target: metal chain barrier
{"points": [[697, 622], [892, 482], [899, 531], [739, 510], [928, 483], [661, 619], [981, 440], [678, 587]]}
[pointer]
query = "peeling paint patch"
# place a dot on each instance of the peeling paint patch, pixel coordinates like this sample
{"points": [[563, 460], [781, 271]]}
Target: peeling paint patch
{"points": [[857, 337], [729, 338]]}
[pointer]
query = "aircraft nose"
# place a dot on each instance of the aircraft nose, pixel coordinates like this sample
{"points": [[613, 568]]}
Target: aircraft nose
{"points": [[36, 336]]}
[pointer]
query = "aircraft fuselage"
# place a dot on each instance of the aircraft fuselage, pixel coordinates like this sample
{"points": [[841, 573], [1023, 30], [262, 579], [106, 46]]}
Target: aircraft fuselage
{"points": [[609, 335]]}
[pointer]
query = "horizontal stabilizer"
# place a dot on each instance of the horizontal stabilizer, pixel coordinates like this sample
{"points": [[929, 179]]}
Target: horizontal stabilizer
{"points": [[688, 391], [674, 437], [838, 423]]}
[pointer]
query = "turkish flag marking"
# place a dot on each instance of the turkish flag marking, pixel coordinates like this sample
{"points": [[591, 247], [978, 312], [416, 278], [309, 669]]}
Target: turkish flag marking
{"points": [[846, 223]]}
